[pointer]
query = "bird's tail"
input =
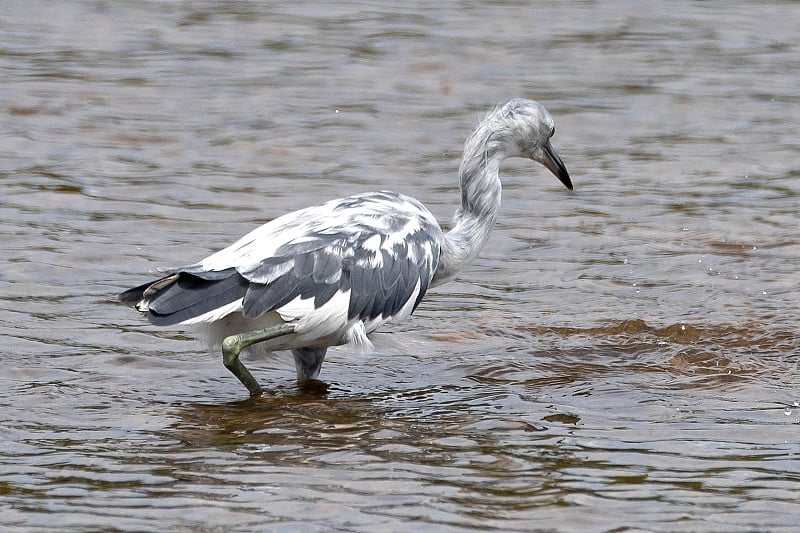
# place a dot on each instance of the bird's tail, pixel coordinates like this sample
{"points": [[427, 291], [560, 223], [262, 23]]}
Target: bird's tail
{"points": [[183, 296], [137, 294]]}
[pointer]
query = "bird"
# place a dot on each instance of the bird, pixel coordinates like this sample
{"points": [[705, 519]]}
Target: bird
{"points": [[332, 274]]}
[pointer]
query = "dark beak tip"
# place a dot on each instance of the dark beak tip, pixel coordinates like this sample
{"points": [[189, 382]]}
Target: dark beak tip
{"points": [[564, 178], [554, 164]]}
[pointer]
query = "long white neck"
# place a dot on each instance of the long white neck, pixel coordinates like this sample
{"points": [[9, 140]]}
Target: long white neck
{"points": [[521, 128], [480, 203]]}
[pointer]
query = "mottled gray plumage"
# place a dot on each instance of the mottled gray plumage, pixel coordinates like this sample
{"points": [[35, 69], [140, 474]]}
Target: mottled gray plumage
{"points": [[333, 273], [315, 265]]}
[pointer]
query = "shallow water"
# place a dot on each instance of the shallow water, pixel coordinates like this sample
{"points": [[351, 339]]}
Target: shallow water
{"points": [[623, 357]]}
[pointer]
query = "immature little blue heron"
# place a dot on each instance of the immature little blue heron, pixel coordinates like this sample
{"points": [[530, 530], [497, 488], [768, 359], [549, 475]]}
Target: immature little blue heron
{"points": [[334, 273]]}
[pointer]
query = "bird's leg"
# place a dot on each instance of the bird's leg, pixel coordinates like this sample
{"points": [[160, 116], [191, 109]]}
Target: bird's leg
{"points": [[308, 361], [233, 345]]}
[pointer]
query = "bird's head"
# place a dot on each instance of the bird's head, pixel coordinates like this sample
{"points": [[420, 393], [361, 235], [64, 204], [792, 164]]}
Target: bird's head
{"points": [[523, 128]]}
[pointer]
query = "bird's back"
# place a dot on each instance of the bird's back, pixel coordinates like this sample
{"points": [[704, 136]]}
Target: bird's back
{"points": [[366, 258]]}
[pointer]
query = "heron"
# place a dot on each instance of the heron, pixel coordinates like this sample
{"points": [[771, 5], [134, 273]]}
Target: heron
{"points": [[332, 274]]}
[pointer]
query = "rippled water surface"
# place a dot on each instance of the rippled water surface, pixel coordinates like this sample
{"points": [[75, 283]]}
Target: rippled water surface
{"points": [[623, 357]]}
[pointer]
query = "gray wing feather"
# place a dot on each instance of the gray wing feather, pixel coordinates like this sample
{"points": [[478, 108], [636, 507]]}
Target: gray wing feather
{"points": [[385, 290], [377, 287], [303, 278], [307, 269], [188, 295]]}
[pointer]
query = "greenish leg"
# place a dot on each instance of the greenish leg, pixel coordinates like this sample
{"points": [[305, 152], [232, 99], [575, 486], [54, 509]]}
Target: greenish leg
{"points": [[232, 346]]}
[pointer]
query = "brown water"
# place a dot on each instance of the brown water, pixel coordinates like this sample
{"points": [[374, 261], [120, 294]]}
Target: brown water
{"points": [[620, 358]]}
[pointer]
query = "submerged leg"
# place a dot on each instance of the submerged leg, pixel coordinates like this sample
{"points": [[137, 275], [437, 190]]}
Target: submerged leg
{"points": [[233, 345], [308, 361]]}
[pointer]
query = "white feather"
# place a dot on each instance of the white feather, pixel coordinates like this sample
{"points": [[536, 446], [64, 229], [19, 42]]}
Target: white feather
{"points": [[357, 336], [324, 321], [215, 314], [373, 244]]}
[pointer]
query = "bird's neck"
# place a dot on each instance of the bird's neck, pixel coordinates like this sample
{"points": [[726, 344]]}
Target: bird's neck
{"points": [[473, 221]]}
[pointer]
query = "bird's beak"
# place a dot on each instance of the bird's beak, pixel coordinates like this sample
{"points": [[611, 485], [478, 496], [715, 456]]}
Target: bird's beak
{"points": [[554, 164]]}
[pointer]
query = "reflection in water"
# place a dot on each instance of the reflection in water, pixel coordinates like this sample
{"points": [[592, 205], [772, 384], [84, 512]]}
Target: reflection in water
{"points": [[623, 357], [449, 454]]}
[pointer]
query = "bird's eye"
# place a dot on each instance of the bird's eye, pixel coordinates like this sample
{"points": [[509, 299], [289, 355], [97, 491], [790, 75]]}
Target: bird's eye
{"points": [[552, 131]]}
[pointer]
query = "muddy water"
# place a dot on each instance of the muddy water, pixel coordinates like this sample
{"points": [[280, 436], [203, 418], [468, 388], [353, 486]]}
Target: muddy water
{"points": [[623, 357]]}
